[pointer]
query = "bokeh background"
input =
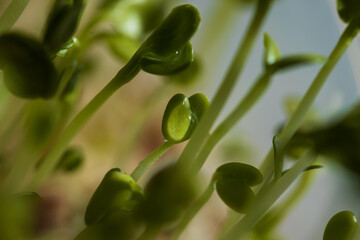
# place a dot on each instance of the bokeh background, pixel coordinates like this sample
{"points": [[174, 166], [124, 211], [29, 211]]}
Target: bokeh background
{"points": [[297, 26]]}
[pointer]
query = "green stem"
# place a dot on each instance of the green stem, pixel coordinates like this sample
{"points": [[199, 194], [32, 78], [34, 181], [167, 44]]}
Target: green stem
{"points": [[233, 118], [267, 196], [221, 96], [296, 119], [138, 121], [273, 218], [127, 73], [144, 165], [11, 14], [193, 210]]}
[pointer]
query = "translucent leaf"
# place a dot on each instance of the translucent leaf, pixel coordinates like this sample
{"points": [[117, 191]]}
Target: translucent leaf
{"points": [[241, 172], [170, 64], [178, 120], [235, 194], [272, 52], [116, 191], [341, 226]]}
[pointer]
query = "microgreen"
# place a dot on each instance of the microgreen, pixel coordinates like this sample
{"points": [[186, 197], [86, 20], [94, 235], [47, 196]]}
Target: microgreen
{"points": [[43, 84], [341, 226], [62, 22], [117, 191]]}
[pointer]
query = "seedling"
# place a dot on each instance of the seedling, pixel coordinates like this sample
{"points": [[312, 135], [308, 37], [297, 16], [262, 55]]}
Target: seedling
{"points": [[47, 77]]}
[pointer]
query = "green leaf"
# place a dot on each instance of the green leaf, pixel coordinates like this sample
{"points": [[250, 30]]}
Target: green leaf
{"points": [[178, 120], [341, 226], [199, 104], [174, 32], [233, 181], [235, 194], [295, 60], [272, 52], [62, 23], [242, 172], [169, 64], [117, 191], [348, 9], [27, 68]]}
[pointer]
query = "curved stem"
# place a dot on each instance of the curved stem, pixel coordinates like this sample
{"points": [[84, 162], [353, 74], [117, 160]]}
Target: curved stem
{"points": [[274, 217], [127, 73], [266, 197], [221, 96], [144, 165], [11, 14], [296, 119], [240, 110]]}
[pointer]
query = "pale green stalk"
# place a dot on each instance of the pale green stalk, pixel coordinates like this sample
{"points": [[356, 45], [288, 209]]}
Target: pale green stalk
{"points": [[11, 14], [127, 73], [232, 119], [296, 119], [145, 164], [221, 96], [266, 197]]}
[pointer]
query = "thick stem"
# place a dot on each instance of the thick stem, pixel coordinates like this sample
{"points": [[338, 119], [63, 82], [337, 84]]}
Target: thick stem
{"points": [[11, 14], [145, 164], [266, 197], [221, 96], [232, 119], [296, 119], [193, 210], [127, 73]]}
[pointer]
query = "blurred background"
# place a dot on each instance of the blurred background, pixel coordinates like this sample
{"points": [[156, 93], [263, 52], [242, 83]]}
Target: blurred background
{"points": [[297, 26]]}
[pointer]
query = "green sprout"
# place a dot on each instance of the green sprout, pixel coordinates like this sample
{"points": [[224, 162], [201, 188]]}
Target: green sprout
{"points": [[341, 226], [45, 76]]}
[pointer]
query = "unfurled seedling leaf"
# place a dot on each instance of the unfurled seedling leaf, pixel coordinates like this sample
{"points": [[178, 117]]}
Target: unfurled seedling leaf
{"points": [[342, 226], [178, 120], [169, 44], [181, 116], [233, 181], [62, 23], [199, 104], [274, 62], [169, 64], [272, 52], [71, 159], [348, 9], [167, 194], [27, 68], [117, 191]]}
